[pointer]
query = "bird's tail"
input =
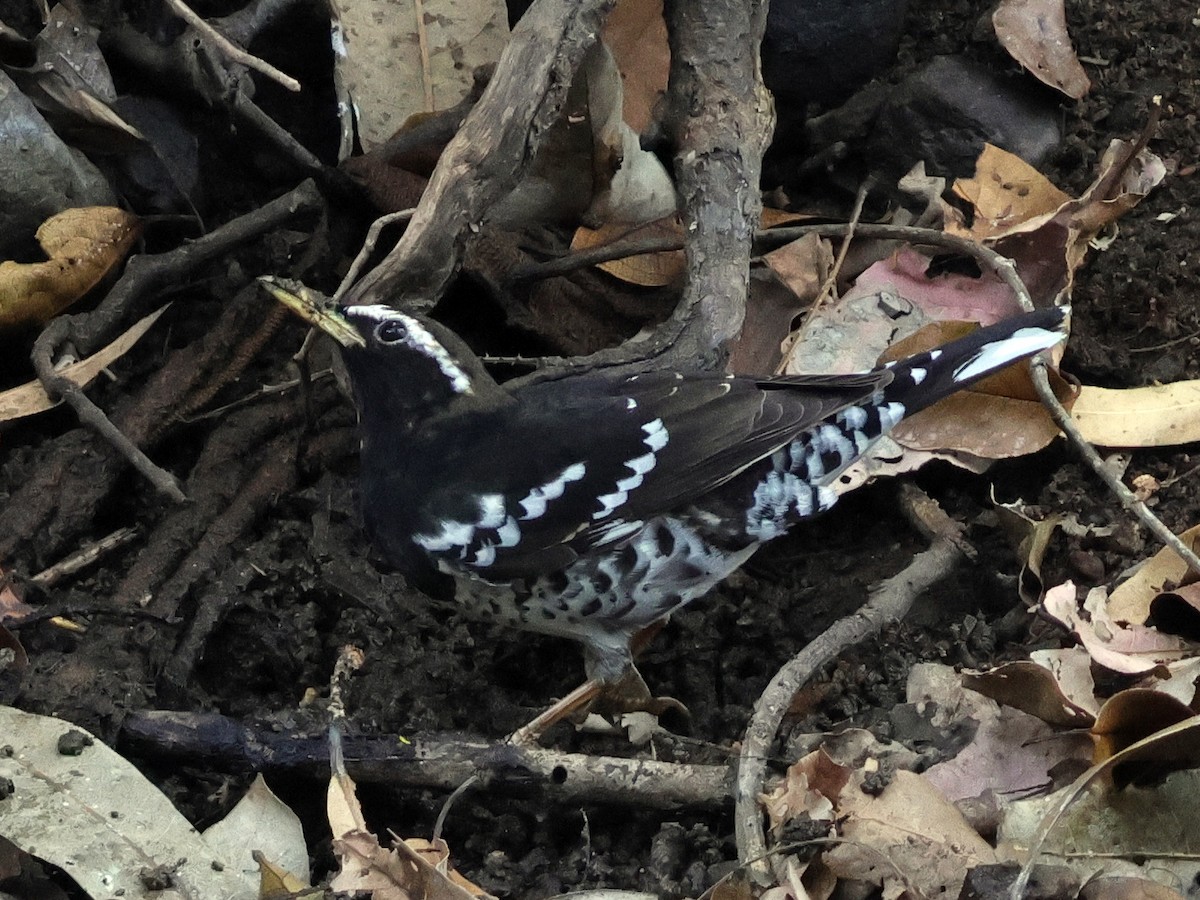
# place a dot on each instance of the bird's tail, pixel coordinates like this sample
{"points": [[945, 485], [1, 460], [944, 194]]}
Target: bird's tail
{"points": [[924, 378]]}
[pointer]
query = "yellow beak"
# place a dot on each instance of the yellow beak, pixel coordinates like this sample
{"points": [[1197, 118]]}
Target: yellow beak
{"points": [[313, 308]]}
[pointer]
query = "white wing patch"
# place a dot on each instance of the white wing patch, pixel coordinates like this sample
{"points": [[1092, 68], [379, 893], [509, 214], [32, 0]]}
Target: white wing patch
{"points": [[656, 438], [498, 528], [534, 504]]}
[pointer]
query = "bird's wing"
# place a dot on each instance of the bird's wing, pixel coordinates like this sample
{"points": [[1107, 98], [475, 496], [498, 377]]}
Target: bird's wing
{"points": [[523, 495]]}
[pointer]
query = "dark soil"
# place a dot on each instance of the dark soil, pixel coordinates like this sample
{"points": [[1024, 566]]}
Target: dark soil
{"points": [[256, 624]]}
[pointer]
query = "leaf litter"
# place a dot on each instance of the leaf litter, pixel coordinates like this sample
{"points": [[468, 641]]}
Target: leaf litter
{"points": [[1049, 236]]}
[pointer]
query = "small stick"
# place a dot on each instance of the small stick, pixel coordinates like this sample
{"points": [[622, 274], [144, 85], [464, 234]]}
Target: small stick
{"points": [[83, 557], [368, 248], [831, 279], [230, 49], [890, 601]]}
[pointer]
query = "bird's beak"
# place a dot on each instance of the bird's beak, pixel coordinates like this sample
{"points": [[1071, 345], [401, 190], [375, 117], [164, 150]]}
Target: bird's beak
{"points": [[313, 308]]}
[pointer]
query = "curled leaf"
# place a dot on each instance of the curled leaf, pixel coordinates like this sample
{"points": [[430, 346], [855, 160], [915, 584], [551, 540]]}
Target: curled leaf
{"points": [[84, 245]]}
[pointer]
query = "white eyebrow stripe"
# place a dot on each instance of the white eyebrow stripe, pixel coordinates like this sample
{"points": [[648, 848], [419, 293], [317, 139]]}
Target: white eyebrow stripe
{"points": [[419, 339]]}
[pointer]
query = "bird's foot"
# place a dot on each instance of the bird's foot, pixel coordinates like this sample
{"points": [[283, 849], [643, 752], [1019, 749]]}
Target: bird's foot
{"points": [[629, 693], [612, 699]]}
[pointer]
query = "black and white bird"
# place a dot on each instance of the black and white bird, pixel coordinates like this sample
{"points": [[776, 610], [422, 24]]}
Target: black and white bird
{"points": [[594, 505]]}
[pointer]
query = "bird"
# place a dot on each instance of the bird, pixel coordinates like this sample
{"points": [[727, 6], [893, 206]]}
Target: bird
{"points": [[594, 505]]}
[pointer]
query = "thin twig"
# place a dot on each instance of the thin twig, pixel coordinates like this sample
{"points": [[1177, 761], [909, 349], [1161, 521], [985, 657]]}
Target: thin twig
{"points": [[368, 248], [831, 279], [1129, 501], [83, 557], [889, 602], [231, 50]]}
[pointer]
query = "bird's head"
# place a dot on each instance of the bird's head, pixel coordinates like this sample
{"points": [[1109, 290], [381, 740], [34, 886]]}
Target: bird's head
{"points": [[404, 368]]}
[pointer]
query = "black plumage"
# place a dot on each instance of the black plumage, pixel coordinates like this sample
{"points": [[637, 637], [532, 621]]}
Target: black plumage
{"points": [[593, 505]]}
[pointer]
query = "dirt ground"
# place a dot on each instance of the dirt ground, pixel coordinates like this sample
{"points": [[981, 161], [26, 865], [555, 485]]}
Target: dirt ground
{"points": [[275, 603]]}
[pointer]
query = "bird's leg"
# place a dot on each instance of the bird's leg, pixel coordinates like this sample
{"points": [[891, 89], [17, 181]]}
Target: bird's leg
{"points": [[578, 700], [613, 696]]}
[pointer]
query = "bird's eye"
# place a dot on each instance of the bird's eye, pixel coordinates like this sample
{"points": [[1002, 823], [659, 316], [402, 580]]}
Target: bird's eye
{"points": [[391, 331]]}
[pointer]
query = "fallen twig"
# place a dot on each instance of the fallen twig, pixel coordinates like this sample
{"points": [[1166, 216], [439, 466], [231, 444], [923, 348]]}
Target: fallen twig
{"points": [[231, 50], [890, 601], [84, 557], [441, 762]]}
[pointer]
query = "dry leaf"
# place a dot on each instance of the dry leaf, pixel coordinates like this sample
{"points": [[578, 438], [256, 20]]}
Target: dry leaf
{"points": [[402, 57], [1030, 688], [1048, 244], [802, 265], [636, 34], [1010, 753], [1162, 415], [84, 245], [1133, 649], [260, 823], [646, 269], [629, 184], [1090, 827], [1005, 192], [908, 837], [811, 786], [1127, 888], [1134, 715], [1072, 671], [18, 659], [1130, 602], [1034, 32], [31, 398], [98, 818], [1032, 537]]}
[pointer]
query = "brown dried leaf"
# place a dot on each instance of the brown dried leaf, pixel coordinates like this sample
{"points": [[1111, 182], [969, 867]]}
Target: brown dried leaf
{"points": [[84, 245], [645, 269], [811, 786], [1130, 602], [1006, 193], [1133, 715], [909, 837], [636, 33], [802, 265], [1034, 32], [404, 872], [1032, 537], [12, 607], [1048, 244], [1030, 688], [412, 56]]}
